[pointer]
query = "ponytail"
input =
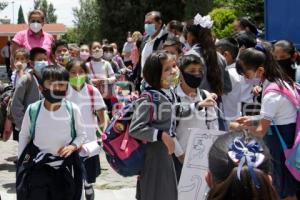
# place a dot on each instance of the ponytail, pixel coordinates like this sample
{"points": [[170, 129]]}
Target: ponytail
{"points": [[234, 189], [203, 36]]}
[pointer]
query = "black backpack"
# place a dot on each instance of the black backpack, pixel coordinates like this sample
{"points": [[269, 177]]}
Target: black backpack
{"points": [[6, 93]]}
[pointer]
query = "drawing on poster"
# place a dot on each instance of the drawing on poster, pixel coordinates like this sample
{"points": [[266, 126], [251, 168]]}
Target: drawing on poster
{"points": [[194, 187], [192, 183]]}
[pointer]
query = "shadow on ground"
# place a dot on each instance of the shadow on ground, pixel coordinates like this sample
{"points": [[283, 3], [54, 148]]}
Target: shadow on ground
{"points": [[10, 188], [8, 167]]}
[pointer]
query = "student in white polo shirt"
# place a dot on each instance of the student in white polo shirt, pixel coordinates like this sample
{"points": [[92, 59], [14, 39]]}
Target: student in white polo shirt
{"points": [[231, 102], [91, 105], [188, 92]]}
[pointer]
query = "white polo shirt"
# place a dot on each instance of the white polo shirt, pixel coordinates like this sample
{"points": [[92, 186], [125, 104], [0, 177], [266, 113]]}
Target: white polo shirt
{"points": [[231, 102], [276, 107], [101, 69], [82, 99]]}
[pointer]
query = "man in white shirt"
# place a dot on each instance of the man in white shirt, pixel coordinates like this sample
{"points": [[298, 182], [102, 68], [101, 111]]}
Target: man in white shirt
{"points": [[5, 53], [156, 35]]}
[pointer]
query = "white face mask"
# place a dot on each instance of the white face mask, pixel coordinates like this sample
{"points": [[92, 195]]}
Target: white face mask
{"points": [[182, 39], [35, 27], [98, 54], [21, 65]]}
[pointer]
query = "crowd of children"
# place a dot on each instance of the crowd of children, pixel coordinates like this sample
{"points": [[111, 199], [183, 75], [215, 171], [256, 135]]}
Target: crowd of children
{"points": [[63, 102]]}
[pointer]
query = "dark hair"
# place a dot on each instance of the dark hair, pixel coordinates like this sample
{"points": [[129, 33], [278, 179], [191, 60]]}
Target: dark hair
{"points": [[204, 37], [153, 68], [245, 40], [54, 73], [253, 58], [228, 44], [35, 51], [173, 42], [157, 15], [175, 25], [108, 48], [186, 60], [286, 46], [246, 23], [224, 172], [77, 61], [22, 51], [57, 44], [92, 43]]}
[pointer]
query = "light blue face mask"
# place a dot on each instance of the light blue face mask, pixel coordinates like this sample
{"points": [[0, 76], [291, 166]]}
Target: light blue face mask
{"points": [[39, 65], [150, 29]]}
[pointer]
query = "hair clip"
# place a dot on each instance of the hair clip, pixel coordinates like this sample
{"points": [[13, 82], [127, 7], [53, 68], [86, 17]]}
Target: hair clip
{"points": [[250, 154], [204, 22]]}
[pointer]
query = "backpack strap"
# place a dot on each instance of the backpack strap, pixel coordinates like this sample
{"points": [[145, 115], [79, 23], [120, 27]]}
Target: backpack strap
{"points": [[34, 110], [273, 87], [204, 96], [92, 97], [71, 112]]}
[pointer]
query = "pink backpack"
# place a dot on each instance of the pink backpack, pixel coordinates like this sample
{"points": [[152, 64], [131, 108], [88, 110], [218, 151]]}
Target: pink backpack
{"points": [[292, 155]]}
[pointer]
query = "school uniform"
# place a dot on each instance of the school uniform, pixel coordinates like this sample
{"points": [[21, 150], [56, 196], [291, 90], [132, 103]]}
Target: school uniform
{"points": [[26, 92], [231, 102], [158, 179], [52, 131], [82, 99], [205, 118], [278, 109]]}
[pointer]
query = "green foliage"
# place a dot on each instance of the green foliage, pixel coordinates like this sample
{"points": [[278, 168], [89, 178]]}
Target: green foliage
{"points": [[223, 21], [87, 21], [71, 36], [245, 8], [48, 9], [21, 19]]}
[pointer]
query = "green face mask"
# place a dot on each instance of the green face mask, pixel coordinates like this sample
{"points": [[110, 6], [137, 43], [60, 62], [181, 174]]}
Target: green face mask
{"points": [[77, 81]]}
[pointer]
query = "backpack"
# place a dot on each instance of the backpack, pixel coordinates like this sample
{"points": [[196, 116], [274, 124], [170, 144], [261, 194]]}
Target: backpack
{"points": [[292, 155], [26, 162], [124, 153], [6, 94]]}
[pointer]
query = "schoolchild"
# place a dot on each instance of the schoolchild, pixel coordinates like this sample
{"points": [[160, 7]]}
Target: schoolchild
{"points": [[21, 62]]}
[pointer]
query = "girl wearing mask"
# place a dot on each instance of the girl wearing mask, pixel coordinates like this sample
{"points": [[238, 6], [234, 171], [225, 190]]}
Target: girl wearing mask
{"points": [[231, 179], [21, 61], [102, 74], [191, 68], [84, 52], [91, 105], [285, 53], [277, 112]]}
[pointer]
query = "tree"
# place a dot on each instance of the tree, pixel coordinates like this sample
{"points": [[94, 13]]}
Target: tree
{"points": [[87, 21], [48, 9], [192, 7], [253, 9], [223, 21], [71, 36], [21, 19], [3, 5]]}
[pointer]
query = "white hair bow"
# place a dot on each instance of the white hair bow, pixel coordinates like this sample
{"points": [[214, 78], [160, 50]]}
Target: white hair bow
{"points": [[204, 22]]}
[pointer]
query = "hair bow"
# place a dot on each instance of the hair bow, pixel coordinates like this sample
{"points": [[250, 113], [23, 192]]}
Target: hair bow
{"points": [[204, 22], [250, 154]]}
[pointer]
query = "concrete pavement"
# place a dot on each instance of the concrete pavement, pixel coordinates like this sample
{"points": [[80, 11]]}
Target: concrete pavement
{"points": [[109, 185]]}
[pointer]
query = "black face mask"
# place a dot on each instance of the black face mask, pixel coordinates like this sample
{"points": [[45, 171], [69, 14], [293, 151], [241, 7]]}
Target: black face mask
{"points": [[55, 96], [286, 65], [192, 80]]}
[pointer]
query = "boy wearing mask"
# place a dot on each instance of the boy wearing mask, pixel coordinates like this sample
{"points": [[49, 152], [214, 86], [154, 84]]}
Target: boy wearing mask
{"points": [[60, 53], [27, 88]]}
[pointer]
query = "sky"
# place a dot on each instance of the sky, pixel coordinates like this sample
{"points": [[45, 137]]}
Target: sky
{"points": [[63, 10]]}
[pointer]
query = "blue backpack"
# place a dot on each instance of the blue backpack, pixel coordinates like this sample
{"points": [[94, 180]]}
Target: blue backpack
{"points": [[124, 153]]}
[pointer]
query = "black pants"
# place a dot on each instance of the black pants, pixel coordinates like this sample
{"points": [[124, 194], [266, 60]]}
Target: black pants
{"points": [[8, 69]]}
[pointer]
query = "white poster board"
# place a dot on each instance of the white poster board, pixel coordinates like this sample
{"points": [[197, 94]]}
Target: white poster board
{"points": [[192, 184]]}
